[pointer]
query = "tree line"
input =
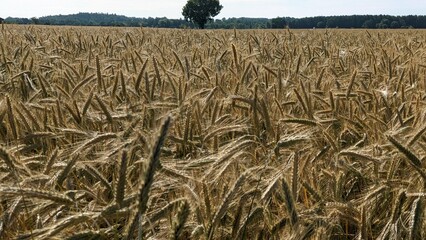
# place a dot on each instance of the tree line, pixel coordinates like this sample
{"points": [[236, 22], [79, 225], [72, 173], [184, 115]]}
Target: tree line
{"points": [[353, 21]]}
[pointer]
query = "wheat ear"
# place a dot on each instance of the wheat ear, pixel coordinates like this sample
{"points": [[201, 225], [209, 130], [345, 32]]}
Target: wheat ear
{"points": [[9, 160], [289, 201], [180, 220], [413, 159], [121, 182], [225, 203], [416, 217], [11, 118], [50, 162], [35, 193], [148, 179]]}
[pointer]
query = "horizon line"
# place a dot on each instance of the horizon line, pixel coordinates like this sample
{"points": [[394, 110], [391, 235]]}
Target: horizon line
{"points": [[342, 15]]}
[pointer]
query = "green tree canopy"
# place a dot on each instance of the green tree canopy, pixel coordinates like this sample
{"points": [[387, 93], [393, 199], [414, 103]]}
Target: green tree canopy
{"points": [[201, 11], [278, 22]]}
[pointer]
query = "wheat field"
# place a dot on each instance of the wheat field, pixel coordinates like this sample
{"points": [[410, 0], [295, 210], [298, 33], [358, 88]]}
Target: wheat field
{"points": [[135, 133]]}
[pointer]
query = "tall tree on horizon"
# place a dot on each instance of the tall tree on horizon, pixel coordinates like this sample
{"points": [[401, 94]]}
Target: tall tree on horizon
{"points": [[201, 11]]}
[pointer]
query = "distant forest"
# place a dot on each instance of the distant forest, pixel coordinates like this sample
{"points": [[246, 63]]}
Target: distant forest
{"points": [[353, 21]]}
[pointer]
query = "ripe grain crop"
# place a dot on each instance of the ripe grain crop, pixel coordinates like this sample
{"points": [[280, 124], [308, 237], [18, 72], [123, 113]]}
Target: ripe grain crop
{"points": [[124, 133]]}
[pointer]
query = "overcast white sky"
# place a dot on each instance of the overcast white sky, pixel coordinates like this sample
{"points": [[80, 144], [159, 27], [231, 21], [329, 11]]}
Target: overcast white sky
{"points": [[232, 8]]}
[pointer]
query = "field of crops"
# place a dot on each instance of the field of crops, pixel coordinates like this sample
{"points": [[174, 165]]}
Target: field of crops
{"points": [[123, 133]]}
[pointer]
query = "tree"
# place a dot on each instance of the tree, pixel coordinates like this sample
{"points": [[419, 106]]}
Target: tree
{"points": [[321, 24], [1, 20], [201, 11], [368, 24], [35, 20], [395, 24], [331, 22], [278, 22]]}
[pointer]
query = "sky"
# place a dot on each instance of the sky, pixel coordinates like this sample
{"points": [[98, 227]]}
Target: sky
{"points": [[231, 8]]}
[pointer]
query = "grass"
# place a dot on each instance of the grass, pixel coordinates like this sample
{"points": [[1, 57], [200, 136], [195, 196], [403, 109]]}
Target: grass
{"points": [[113, 133]]}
